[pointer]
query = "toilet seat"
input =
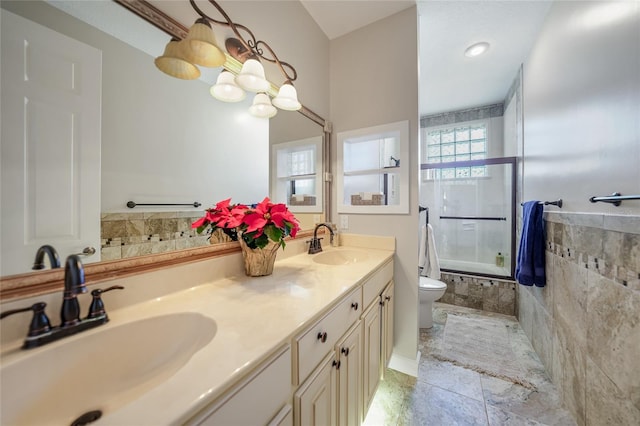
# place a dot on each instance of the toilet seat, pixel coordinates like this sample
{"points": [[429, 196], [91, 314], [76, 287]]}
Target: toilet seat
{"points": [[427, 283]]}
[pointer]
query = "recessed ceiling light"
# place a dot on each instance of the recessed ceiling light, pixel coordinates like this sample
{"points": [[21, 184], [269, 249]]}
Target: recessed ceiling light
{"points": [[476, 49]]}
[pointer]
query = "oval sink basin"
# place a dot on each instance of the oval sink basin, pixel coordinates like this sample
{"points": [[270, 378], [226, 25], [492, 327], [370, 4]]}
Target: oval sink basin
{"points": [[100, 371], [340, 257]]}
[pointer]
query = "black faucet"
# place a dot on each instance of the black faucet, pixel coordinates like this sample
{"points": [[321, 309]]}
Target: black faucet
{"points": [[73, 285], [314, 243], [40, 330], [52, 254]]}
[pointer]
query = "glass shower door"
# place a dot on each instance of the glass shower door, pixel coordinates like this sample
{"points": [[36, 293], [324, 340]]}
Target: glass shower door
{"points": [[472, 211]]}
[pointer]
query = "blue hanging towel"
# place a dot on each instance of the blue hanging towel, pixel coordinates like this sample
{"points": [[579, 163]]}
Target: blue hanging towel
{"points": [[531, 257]]}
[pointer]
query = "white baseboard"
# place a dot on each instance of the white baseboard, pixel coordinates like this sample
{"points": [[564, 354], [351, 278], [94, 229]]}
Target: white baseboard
{"points": [[405, 365]]}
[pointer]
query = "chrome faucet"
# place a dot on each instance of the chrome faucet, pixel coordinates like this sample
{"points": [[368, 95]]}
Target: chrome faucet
{"points": [[314, 243], [40, 330], [52, 254]]}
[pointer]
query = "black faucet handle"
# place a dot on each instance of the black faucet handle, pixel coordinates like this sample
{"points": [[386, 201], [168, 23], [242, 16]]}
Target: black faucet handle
{"points": [[96, 309], [315, 246], [39, 323]]}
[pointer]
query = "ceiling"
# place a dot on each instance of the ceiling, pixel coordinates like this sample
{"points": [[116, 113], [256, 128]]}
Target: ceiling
{"points": [[337, 18], [450, 81]]}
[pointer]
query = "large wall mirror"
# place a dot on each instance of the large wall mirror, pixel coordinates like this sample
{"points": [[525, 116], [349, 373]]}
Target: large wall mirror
{"points": [[163, 141]]}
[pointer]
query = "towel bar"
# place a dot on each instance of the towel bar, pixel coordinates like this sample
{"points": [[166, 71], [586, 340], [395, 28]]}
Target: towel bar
{"points": [[616, 198], [549, 203], [132, 204]]}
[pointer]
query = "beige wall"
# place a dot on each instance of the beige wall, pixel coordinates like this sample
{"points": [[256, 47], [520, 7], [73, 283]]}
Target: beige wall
{"points": [[582, 138], [363, 68], [582, 106]]}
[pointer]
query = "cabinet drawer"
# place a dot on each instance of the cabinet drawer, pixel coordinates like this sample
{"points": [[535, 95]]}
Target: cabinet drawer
{"points": [[311, 346], [255, 400], [373, 286]]}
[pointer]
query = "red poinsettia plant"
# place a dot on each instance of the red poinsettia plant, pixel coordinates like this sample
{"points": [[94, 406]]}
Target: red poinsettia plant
{"points": [[257, 224]]}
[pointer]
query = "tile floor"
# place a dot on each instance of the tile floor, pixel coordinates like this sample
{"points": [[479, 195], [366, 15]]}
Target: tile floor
{"points": [[448, 395]]}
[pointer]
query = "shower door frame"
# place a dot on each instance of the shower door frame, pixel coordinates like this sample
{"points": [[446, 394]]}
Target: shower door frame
{"points": [[488, 162]]}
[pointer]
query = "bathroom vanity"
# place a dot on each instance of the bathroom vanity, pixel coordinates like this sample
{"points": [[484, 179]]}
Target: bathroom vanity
{"points": [[185, 345]]}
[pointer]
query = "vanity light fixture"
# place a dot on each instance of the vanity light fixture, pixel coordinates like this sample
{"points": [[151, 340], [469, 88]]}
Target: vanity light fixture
{"points": [[200, 48], [287, 98], [174, 62], [251, 77], [262, 106], [226, 89], [476, 49]]}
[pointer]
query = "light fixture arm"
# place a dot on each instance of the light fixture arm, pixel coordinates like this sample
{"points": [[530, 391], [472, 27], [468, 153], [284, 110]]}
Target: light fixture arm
{"points": [[278, 62], [250, 44]]}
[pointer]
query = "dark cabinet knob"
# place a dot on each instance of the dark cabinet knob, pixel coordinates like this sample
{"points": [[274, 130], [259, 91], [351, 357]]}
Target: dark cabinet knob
{"points": [[345, 351], [336, 364], [354, 305], [387, 298], [322, 336]]}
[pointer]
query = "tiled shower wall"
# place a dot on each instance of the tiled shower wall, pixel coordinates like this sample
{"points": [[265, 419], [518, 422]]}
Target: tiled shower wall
{"points": [[134, 234], [487, 294], [585, 323]]}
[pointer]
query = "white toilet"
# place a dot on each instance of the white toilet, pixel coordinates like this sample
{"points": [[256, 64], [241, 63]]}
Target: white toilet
{"points": [[429, 291]]}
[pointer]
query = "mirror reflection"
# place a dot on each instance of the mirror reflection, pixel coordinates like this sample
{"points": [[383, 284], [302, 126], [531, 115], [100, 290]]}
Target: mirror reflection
{"points": [[138, 135]]}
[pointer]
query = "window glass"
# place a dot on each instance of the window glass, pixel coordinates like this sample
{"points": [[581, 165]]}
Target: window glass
{"points": [[461, 143]]}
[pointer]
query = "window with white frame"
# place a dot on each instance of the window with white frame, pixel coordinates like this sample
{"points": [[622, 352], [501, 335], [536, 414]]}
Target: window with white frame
{"points": [[373, 172], [296, 174], [452, 144]]}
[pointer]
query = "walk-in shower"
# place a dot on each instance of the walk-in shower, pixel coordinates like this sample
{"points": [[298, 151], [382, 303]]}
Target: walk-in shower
{"points": [[472, 209]]}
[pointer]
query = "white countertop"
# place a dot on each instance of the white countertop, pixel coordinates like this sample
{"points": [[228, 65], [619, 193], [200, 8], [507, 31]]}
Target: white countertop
{"points": [[254, 318]]}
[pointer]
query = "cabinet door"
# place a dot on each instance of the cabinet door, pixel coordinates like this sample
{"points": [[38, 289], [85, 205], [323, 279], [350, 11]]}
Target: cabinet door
{"points": [[387, 324], [266, 392], [349, 351], [371, 352], [316, 400]]}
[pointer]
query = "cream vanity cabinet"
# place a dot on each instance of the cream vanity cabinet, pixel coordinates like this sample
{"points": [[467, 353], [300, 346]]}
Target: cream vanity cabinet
{"points": [[331, 395], [262, 398], [349, 369], [377, 331], [338, 361], [334, 366], [322, 368], [387, 304]]}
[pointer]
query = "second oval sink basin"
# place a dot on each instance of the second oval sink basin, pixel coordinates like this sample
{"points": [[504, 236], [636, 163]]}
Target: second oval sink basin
{"points": [[100, 371], [340, 257]]}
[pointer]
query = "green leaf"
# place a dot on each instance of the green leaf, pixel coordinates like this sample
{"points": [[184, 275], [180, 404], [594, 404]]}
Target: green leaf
{"points": [[274, 233], [262, 241]]}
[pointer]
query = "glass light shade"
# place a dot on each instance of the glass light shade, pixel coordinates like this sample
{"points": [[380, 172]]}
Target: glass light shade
{"points": [[173, 62], [226, 88], [287, 98], [252, 77], [262, 107], [201, 47]]}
